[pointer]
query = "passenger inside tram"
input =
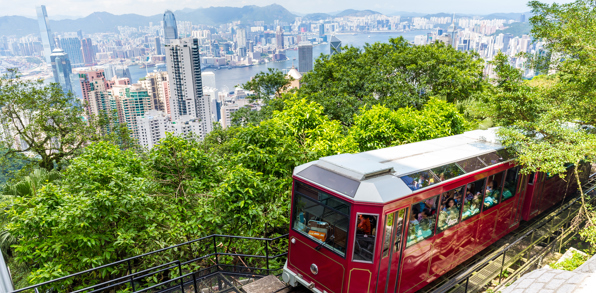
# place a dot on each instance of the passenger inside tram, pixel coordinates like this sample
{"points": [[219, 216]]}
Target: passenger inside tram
{"points": [[365, 238], [474, 192], [510, 187], [493, 190], [422, 220], [449, 215]]}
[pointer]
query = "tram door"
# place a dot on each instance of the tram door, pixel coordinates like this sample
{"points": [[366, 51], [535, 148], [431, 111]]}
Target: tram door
{"points": [[391, 252]]}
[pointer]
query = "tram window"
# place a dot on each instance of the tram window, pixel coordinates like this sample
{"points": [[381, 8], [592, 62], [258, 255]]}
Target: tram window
{"points": [[510, 187], [447, 172], [389, 222], [399, 224], [491, 158], [471, 165], [505, 155], [449, 208], [494, 188], [321, 217], [419, 180], [422, 220], [473, 199], [532, 176], [364, 244]]}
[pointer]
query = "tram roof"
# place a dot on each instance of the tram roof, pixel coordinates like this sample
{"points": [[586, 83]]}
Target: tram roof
{"points": [[387, 174]]}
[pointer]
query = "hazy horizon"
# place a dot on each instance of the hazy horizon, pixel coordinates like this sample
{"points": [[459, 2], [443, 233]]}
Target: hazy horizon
{"points": [[61, 9]]}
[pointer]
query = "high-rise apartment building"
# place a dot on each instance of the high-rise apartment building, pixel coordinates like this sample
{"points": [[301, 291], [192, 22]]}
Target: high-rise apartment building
{"points": [[241, 37], [157, 46], [72, 47], [208, 79], [156, 85], [279, 38], [61, 69], [186, 87], [46, 34], [170, 29], [94, 87], [334, 46], [132, 101], [152, 127], [321, 29], [88, 52], [305, 57]]}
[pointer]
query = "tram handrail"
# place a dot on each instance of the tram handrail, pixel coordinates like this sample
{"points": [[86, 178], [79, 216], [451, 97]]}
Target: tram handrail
{"points": [[493, 256]]}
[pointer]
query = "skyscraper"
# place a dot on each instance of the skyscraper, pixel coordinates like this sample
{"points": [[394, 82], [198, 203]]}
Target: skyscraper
{"points": [[279, 37], [157, 46], [46, 34], [321, 29], [506, 38], [87, 50], [80, 34], [334, 46], [186, 86], [241, 38], [170, 29], [305, 60], [61, 69], [72, 47]]}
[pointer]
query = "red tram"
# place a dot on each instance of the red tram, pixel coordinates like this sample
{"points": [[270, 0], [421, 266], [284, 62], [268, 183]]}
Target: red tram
{"points": [[395, 219]]}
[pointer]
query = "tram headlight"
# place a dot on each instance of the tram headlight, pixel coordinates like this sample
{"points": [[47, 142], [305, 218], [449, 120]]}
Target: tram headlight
{"points": [[314, 269]]}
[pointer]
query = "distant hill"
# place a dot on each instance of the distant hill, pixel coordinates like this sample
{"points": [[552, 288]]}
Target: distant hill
{"points": [[18, 25], [357, 13], [405, 14], [316, 16], [106, 22], [512, 16], [517, 29]]}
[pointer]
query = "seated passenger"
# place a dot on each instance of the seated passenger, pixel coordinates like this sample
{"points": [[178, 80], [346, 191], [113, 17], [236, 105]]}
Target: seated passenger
{"points": [[469, 193], [506, 193], [364, 225]]}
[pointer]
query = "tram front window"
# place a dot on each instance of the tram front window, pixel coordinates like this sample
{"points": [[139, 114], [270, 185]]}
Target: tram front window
{"points": [[321, 217]]}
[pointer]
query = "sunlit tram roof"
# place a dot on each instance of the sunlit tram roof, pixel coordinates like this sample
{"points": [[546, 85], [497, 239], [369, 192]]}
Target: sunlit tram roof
{"points": [[387, 174]]}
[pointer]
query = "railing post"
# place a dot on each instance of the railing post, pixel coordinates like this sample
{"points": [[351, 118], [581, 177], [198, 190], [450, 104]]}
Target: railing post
{"points": [[180, 275], [502, 265], [467, 281], [267, 254], [194, 282], [132, 279], [216, 254]]}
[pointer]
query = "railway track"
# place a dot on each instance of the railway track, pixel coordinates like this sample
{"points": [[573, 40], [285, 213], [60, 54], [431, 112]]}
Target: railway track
{"points": [[517, 252]]}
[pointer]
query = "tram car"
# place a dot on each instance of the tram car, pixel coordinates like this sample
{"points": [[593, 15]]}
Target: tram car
{"points": [[396, 219]]}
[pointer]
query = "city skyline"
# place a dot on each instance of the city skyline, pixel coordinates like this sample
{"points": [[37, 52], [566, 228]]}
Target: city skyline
{"points": [[72, 9]]}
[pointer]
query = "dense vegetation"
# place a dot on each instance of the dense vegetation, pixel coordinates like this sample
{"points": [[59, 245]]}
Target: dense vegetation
{"points": [[106, 199]]}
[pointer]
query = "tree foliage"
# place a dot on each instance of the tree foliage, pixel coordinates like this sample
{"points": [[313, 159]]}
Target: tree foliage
{"points": [[395, 74], [41, 120]]}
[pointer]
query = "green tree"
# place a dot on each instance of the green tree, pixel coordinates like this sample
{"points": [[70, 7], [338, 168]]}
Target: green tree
{"points": [[267, 88], [42, 120], [381, 127], [97, 214], [395, 74]]}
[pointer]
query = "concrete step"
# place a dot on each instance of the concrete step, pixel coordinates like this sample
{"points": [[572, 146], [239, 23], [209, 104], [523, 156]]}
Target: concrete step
{"points": [[269, 284]]}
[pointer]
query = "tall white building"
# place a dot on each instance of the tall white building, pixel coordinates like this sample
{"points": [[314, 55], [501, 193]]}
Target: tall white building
{"points": [[208, 80], [154, 125], [185, 83]]}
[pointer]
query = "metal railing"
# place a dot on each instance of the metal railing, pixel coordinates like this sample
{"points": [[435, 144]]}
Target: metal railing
{"points": [[527, 252], [195, 261]]}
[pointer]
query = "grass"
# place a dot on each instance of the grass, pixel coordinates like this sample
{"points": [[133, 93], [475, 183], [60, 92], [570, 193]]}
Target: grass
{"points": [[571, 263]]}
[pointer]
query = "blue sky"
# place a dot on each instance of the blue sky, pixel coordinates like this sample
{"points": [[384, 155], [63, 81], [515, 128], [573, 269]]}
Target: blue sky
{"points": [[61, 8]]}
